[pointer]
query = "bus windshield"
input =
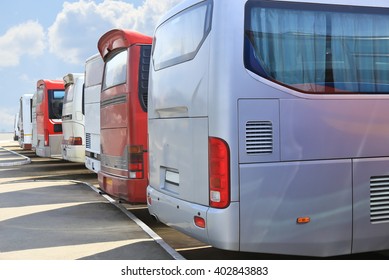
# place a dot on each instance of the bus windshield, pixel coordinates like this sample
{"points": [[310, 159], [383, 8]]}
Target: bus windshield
{"points": [[319, 48]]}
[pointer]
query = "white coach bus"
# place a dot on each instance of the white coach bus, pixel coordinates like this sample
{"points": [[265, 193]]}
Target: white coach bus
{"points": [[269, 125], [94, 66], [25, 121], [73, 123]]}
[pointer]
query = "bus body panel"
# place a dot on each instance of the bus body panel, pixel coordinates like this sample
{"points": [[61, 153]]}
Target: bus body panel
{"points": [[93, 76], [123, 120], [25, 121], [48, 117], [274, 195], [370, 227], [302, 165], [347, 128], [183, 136], [73, 123]]}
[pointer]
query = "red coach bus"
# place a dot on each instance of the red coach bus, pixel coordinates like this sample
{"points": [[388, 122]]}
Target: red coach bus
{"points": [[49, 103], [123, 114]]}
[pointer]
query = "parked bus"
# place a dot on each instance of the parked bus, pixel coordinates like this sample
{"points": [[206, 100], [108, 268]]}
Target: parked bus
{"points": [[25, 121], [123, 114], [34, 137], [93, 75], [48, 109], [73, 122], [268, 125], [16, 127]]}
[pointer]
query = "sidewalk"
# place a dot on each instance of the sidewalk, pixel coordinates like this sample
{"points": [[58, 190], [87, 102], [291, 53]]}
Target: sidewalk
{"points": [[68, 220]]}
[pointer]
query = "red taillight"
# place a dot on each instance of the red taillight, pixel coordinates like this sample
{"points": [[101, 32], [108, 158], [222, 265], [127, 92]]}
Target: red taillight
{"points": [[135, 162], [76, 141], [199, 221], [46, 132], [219, 173]]}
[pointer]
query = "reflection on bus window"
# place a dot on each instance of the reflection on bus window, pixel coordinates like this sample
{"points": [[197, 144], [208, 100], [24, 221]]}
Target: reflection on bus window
{"points": [[115, 70], [318, 51], [55, 103]]}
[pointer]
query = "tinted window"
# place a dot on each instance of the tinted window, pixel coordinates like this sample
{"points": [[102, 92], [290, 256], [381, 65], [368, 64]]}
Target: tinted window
{"points": [[55, 103], [319, 48], [179, 38]]}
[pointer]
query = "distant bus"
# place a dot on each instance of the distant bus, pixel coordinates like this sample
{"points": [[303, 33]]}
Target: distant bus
{"points": [[49, 103], [34, 137], [16, 127], [94, 66], [25, 121], [123, 114], [73, 122], [269, 125]]}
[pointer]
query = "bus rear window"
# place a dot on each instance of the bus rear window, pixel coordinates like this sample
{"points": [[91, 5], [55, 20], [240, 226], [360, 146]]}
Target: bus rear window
{"points": [[115, 72], [55, 103], [93, 72], [318, 48], [179, 38]]}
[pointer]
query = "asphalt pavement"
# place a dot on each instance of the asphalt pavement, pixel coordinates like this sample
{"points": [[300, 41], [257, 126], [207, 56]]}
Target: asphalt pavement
{"points": [[68, 220]]}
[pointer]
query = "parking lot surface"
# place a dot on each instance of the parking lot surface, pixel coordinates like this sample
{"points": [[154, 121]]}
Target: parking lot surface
{"points": [[60, 219]]}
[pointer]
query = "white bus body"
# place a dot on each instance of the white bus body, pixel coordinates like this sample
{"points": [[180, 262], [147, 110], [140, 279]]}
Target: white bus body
{"points": [[34, 137], [269, 125], [73, 129], [25, 121], [16, 127], [93, 75]]}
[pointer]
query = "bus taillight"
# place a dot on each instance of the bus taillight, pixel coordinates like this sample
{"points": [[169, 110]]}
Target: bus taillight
{"points": [[135, 162], [46, 135], [219, 173], [75, 141]]}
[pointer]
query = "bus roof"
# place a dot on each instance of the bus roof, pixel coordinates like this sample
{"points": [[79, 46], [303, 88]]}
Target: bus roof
{"points": [[120, 38], [51, 83]]}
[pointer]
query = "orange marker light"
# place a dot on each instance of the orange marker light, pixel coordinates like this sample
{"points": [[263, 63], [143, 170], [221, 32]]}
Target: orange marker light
{"points": [[303, 220]]}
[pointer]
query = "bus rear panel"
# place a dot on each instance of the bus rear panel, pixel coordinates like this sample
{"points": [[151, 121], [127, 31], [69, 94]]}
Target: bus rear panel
{"points": [[123, 115], [25, 121], [73, 121], [268, 125], [48, 110], [93, 76]]}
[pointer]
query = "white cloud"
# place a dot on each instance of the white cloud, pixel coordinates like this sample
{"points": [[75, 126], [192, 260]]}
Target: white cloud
{"points": [[25, 39], [74, 34]]}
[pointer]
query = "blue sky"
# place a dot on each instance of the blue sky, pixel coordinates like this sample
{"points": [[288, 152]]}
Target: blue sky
{"points": [[46, 39]]}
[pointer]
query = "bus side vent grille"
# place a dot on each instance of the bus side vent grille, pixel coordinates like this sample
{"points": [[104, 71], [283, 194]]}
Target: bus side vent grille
{"points": [[259, 137], [87, 140], [379, 199]]}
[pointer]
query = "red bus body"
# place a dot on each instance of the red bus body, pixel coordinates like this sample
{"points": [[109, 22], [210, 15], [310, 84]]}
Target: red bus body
{"points": [[49, 103], [123, 114]]}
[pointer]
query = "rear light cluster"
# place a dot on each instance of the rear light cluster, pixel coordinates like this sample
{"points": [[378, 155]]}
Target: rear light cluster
{"points": [[46, 133], [219, 173], [74, 141], [135, 162]]}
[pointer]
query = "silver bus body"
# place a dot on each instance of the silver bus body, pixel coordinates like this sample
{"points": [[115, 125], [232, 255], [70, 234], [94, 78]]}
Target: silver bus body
{"points": [[308, 170]]}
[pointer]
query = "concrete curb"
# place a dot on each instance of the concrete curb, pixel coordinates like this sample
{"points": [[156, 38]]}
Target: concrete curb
{"points": [[26, 160]]}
